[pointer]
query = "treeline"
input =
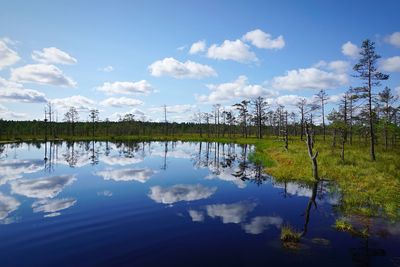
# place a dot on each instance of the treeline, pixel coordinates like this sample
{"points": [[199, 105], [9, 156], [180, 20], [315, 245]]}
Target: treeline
{"points": [[362, 114]]}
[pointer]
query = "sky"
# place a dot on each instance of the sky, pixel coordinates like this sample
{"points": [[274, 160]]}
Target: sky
{"points": [[136, 56]]}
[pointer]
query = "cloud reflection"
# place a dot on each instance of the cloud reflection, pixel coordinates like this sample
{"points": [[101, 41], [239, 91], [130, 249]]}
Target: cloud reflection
{"points": [[46, 187], [7, 205], [139, 175], [53, 206], [197, 216], [180, 192], [261, 223], [231, 213], [13, 169]]}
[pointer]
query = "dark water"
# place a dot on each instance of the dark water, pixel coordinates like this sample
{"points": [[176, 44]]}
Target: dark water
{"points": [[169, 204]]}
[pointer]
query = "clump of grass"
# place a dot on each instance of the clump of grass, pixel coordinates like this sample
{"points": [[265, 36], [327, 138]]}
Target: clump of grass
{"points": [[289, 234], [342, 225]]}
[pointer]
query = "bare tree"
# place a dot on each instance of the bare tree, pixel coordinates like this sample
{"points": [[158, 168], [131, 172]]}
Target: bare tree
{"points": [[302, 108], [321, 98]]}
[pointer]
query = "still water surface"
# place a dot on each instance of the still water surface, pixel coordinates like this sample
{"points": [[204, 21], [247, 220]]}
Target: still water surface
{"points": [[168, 204]]}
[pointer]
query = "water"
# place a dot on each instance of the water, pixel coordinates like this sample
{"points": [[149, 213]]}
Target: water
{"points": [[169, 204]]}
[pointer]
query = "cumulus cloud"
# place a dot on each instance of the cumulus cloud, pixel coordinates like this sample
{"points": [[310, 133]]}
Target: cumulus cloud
{"points": [[77, 101], [232, 50], [339, 66], [53, 55], [12, 91], [180, 192], [231, 213], [261, 223], [351, 50], [7, 205], [237, 89], [180, 70], [139, 175], [197, 216], [197, 47], [393, 39], [391, 64], [260, 39], [140, 87], [8, 56], [310, 78], [121, 102], [41, 74], [52, 206], [46, 187]]}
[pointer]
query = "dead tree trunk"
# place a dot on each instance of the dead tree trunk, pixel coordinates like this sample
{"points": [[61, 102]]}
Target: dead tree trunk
{"points": [[313, 156]]}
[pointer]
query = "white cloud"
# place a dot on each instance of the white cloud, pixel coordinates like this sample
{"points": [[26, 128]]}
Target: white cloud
{"points": [[180, 192], [12, 91], [8, 56], [237, 89], [197, 47], [107, 69], [393, 39], [350, 49], [52, 206], [339, 66], [7, 205], [197, 216], [391, 64], [230, 213], [121, 102], [232, 50], [77, 101], [398, 90], [41, 74], [286, 100], [181, 70], [264, 40], [140, 87], [53, 55], [310, 78], [139, 175], [46, 187], [261, 223]]}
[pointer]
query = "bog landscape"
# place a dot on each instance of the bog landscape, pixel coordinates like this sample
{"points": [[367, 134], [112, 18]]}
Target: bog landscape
{"points": [[184, 133]]}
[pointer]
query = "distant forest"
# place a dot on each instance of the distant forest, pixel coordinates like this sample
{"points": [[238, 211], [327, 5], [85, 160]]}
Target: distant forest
{"points": [[362, 114]]}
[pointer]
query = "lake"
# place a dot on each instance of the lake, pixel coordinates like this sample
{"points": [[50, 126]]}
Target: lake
{"points": [[171, 204]]}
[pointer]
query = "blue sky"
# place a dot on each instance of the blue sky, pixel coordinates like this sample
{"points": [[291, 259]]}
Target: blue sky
{"points": [[135, 56]]}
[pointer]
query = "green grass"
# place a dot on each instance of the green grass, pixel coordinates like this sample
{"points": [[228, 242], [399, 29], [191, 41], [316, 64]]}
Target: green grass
{"points": [[289, 234], [343, 226]]}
